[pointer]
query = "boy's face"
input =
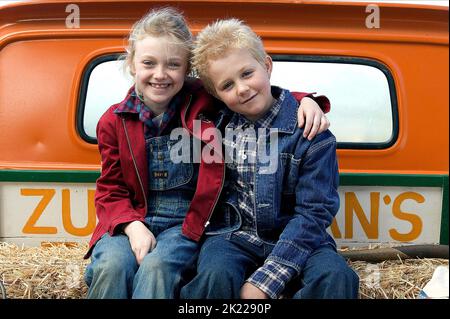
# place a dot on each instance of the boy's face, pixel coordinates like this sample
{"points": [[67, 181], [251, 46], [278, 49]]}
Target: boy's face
{"points": [[160, 67], [242, 83]]}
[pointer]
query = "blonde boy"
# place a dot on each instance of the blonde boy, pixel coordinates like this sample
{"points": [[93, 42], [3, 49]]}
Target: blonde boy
{"points": [[273, 235]]}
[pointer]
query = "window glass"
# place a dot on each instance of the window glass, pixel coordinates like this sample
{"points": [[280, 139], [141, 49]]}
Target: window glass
{"points": [[362, 110], [108, 84]]}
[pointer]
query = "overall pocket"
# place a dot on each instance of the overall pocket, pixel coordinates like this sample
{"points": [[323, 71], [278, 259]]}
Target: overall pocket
{"points": [[172, 185], [164, 173]]}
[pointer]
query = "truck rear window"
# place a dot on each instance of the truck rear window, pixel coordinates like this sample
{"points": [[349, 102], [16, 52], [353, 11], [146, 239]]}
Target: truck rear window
{"points": [[363, 101]]}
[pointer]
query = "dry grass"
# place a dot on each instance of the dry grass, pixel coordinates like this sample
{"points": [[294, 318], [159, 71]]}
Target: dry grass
{"points": [[55, 272], [395, 279], [52, 272]]}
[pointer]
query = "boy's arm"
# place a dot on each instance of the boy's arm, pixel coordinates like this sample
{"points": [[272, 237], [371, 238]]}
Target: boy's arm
{"points": [[268, 281], [317, 202], [311, 118], [321, 100]]}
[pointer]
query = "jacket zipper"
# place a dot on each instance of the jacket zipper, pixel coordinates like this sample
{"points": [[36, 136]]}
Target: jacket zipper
{"points": [[217, 198], [223, 175], [135, 165]]}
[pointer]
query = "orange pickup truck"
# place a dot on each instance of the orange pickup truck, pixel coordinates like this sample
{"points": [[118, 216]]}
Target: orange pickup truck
{"points": [[384, 67]]}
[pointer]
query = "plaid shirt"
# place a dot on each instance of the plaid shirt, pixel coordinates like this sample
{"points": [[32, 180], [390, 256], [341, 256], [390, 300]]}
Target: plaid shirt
{"points": [[272, 276], [134, 104]]}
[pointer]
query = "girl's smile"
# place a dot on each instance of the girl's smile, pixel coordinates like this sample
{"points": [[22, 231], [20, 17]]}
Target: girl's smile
{"points": [[159, 67]]}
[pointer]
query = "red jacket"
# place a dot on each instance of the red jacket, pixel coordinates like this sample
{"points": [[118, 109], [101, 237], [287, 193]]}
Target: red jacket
{"points": [[122, 188]]}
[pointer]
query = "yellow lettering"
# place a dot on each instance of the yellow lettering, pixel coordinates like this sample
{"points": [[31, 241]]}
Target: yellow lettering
{"points": [[67, 219], [352, 205], [47, 195], [415, 220], [335, 229]]}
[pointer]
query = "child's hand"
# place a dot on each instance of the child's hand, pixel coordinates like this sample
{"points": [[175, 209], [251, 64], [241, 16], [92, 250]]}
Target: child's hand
{"points": [[141, 239], [311, 116], [248, 291]]}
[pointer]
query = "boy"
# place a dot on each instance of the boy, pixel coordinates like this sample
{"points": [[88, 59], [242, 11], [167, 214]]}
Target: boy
{"points": [[269, 236]]}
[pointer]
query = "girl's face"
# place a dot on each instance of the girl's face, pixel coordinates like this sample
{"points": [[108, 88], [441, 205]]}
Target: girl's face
{"points": [[159, 68]]}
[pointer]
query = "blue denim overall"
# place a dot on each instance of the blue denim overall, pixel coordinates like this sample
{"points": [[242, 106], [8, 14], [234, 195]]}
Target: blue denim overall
{"points": [[114, 272]]}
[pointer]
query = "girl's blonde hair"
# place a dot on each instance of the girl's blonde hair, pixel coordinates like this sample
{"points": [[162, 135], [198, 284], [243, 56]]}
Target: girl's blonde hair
{"points": [[216, 39], [159, 23]]}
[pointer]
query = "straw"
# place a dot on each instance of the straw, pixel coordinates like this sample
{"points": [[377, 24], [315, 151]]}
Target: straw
{"points": [[57, 272]]}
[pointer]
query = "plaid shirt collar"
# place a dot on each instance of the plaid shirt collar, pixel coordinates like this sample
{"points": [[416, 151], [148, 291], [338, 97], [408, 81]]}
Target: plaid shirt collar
{"points": [[238, 120], [133, 104]]}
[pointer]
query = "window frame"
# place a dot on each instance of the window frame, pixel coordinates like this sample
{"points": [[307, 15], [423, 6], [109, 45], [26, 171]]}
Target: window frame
{"points": [[359, 61], [79, 118], [276, 58]]}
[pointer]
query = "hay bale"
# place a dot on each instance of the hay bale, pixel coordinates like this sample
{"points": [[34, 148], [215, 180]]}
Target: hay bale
{"points": [[52, 272], [56, 271], [395, 279]]}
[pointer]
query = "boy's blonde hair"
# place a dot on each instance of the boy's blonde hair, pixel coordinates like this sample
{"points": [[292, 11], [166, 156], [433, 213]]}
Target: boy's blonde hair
{"points": [[217, 39], [158, 23]]}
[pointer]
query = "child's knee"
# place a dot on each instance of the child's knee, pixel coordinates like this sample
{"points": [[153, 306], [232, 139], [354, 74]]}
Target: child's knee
{"points": [[115, 267], [153, 262]]}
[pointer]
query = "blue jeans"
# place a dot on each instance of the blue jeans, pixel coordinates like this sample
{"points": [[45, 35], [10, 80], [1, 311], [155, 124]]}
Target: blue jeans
{"points": [[114, 273], [226, 261]]}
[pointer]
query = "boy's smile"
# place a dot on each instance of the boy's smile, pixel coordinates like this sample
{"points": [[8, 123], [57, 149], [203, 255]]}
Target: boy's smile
{"points": [[242, 83]]}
